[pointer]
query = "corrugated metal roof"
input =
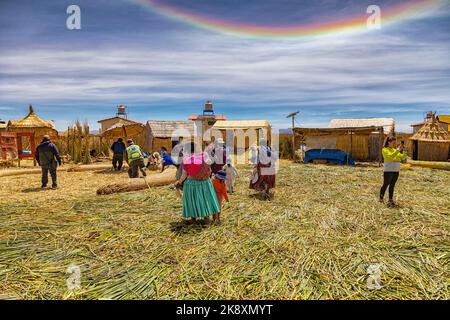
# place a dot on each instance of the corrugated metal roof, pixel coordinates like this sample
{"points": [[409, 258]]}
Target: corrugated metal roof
{"points": [[388, 124], [165, 129], [241, 124]]}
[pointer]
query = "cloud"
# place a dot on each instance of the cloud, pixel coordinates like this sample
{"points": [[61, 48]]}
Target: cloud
{"points": [[393, 71]]}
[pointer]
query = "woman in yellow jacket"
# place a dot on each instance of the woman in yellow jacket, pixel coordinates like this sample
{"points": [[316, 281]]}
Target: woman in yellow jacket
{"points": [[392, 158]]}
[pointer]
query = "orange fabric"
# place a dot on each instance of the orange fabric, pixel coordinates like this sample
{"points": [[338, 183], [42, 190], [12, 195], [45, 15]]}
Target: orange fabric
{"points": [[221, 188]]}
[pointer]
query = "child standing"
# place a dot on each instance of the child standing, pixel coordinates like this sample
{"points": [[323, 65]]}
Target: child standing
{"points": [[231, 173], [221, 191]]}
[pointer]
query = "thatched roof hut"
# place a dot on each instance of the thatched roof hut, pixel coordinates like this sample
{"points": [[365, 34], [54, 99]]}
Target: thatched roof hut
{"points": [[388, 124], [431, 142], [32, 123], [160, 133], [3, 125], [360, 141]]}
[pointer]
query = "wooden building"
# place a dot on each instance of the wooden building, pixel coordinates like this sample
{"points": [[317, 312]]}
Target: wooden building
{"points": [[357, 140], [29, 132], [115, 121], [388, 124], [431, 142], [3, 125], [166, 134], [32, 123], [444, 121], [366, 148], [244, 129]]}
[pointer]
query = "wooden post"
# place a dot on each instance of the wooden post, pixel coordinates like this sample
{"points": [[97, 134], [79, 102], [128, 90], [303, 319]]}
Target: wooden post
{"points": [[351, 142], [292, 115], [381, 140], [350, 137], [68, 139]]}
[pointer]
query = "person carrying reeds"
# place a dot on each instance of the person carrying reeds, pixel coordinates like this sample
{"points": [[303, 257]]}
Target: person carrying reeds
{"points": [[199, 197], [135, 160], [47, 156], [118, 148], [392, 158]]}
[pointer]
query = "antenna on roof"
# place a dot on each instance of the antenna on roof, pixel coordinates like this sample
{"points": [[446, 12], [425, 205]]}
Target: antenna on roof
{"points": [[293, 114]]}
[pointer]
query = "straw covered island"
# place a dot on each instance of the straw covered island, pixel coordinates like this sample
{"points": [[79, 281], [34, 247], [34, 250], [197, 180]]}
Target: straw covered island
{"points": [[315, 239]]}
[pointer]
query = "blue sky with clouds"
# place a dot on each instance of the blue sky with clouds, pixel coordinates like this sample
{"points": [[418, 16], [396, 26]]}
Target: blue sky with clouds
{"points": [[163, 68]]}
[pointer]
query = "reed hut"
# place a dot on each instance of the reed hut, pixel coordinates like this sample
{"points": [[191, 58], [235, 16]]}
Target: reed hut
{"points": [[388, 124], [166, 134], [355, 140], [29, 132], [366, 147], [248, 129], [431, 142], [444, 121], [3, 126], [32, 123]]}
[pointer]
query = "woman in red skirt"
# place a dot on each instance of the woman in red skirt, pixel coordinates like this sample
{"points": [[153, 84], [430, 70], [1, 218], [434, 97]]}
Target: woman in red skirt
{"points": [[264, 174]]}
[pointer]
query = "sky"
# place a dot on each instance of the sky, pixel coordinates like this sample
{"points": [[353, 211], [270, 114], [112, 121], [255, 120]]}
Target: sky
{"points": [[163, 59]]}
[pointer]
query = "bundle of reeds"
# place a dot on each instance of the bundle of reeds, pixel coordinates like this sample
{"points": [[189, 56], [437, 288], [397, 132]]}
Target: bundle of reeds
{"points": [[153, 180], [78, 143], [87, 147]]}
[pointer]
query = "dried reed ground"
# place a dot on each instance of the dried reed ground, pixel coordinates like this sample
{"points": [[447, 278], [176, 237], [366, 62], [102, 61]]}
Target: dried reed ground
{"points": [[314, 240]]}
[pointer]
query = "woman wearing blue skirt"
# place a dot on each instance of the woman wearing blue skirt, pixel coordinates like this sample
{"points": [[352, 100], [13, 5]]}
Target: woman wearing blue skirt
{"points": [[199, 197]]}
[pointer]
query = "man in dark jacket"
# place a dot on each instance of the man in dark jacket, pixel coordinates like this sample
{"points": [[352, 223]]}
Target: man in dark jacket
{"points": [[118, 148], [47, 156]]}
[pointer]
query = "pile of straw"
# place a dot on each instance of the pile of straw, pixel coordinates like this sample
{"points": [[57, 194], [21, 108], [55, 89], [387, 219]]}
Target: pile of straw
{"points": [[68, 168], [314, 240]]}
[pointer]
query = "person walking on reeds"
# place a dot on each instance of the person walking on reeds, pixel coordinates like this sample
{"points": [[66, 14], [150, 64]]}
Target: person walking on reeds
{"points": [[218, 155], [220, 188], [392, 158], [199, 197], [264, 173], [135, 160], [47, 156], [231, 174], [118, 148], [177, 158]]}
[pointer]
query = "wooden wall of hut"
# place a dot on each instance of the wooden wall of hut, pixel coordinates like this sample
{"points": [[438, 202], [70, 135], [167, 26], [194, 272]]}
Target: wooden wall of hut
{"points": [[38, 133], [358, 145], [285, 141], [158, 143], [247, 143], [432, 151], [409, 145]]}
